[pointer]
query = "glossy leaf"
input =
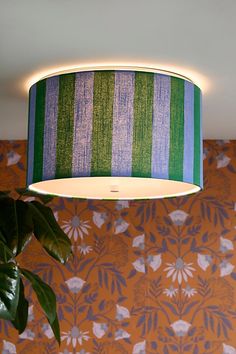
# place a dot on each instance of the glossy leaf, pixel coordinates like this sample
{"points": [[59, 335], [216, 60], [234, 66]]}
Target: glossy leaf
{"points": [[45, 294], [49, 233], [9, 290], [2, 238], [5, 253], [21, 318], [16, 223], [56, 329], [4, 194], [47, 300], [24, 192]]}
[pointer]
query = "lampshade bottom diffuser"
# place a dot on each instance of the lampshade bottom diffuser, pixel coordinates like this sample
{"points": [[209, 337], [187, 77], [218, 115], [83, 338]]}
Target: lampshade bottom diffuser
{"points": [[114, 188]]}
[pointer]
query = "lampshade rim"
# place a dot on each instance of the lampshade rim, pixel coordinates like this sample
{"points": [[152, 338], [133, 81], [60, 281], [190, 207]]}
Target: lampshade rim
{"points": [[144, 69], [195, 188]]}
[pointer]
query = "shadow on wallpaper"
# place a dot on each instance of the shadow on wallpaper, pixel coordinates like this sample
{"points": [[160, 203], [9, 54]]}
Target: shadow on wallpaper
{"points": [[147, 277]]}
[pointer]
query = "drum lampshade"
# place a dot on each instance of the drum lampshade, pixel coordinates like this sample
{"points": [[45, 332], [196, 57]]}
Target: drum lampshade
{"points": [[115, 134]]}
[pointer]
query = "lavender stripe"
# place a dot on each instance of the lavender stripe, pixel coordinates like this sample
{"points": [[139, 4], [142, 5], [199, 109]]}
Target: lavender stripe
{"points": [[188, 132], [161, 127], [122, 136], [50, 128], [31, 135], [83, 124]]}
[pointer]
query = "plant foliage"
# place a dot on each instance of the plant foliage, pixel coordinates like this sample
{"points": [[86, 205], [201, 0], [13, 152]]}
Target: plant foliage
{"points": [[19, 221]]}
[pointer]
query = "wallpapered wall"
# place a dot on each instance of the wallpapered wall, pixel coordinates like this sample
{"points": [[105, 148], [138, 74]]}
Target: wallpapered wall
{"points": [[147, 277]]}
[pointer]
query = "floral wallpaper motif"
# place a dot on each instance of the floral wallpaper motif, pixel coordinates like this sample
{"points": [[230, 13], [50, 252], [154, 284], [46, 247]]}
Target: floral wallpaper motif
{"points": [[147, 277]]}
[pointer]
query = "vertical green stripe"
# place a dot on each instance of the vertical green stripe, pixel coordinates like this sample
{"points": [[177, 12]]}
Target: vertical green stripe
{"points": [[142, 130], [103, 97], [39, 130], [65, 126], [176, 155], [197, 136]]}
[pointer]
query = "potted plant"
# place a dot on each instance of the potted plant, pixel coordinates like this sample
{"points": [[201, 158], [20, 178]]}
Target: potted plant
{"points": [[19, 221]]}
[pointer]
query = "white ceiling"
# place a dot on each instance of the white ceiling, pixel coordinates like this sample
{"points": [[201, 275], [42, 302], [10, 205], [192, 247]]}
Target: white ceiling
{"points": [[195, 35]]}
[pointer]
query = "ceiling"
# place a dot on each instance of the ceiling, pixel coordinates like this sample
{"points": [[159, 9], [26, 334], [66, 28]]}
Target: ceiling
{"points": [[194, 37]]}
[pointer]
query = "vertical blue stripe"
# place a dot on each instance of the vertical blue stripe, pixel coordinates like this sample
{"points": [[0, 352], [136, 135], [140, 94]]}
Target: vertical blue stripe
{"points": [[31, 129], [201, 144], [50, 128], [83, 124], [188, 132], [161, 127], [122, 135]]}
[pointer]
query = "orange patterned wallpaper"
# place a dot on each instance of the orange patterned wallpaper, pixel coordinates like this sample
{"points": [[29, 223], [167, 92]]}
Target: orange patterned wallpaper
{"points": [[148, 277]]}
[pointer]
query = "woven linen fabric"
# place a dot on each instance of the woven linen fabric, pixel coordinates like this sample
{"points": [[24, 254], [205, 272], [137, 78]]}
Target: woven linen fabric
{"points": [[115, 123]]}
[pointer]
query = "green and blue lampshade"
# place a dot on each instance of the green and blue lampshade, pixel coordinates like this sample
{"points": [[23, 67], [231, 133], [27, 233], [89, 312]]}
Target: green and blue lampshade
{"points": [[115, 134]]}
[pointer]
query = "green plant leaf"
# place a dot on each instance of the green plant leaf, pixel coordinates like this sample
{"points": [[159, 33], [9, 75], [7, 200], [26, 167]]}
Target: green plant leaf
{"points": [[16, 223], [24, 192], [56, 329], [21, 317], [4, 194], [45, 294], [49, 233], [9, 290], [2, 238], [47, 300], [5, 253]]}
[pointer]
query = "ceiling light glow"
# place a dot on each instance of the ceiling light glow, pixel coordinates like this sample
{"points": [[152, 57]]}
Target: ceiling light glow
{"points": [[197, 78]]}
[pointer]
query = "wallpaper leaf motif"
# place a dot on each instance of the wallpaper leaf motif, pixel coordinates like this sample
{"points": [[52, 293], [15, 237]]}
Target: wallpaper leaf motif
{"points": [[146, 277]]}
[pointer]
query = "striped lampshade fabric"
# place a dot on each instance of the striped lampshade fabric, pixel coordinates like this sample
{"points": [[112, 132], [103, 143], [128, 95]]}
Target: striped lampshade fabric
{"points": [[115, 134]]}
